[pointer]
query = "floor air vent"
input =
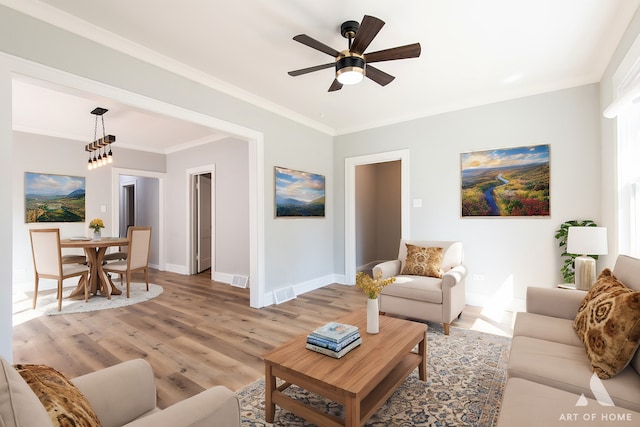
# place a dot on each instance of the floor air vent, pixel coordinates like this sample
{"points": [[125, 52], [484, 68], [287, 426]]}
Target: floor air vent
{"points": [[284, 294], [240, 281]]}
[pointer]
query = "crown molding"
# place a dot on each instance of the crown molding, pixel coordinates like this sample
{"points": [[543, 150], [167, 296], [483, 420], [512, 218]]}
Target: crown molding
{"points": [[75, 25]]}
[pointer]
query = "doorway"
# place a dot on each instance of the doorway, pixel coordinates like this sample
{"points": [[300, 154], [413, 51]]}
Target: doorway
{"points": [[201, 227], [351, 225], [378, 210], [256, 179], [138, 197], [128, 205], [203, 224]]}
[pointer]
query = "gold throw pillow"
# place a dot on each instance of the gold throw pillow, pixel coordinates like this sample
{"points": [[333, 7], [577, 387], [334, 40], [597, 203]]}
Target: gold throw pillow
{"points": [[423, 261], [608, 323], [65, 404]]}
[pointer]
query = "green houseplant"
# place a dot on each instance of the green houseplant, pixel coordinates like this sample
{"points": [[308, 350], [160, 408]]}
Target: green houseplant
{"points": [[567, 269]]}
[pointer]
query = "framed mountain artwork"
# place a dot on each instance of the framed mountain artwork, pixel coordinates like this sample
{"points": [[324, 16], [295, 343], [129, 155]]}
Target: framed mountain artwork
{"points": [[54, 198], [511, 182], [299, 194]]}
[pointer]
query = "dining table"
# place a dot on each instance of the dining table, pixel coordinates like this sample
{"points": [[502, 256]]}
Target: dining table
{"points": [[95, 250]]}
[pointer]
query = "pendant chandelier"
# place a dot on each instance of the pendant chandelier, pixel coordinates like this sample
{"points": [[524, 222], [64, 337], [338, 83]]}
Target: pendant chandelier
{"points": [[99, 145]]}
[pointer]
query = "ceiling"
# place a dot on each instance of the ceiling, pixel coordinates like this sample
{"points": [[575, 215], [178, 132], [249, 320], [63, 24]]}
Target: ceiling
{"points": [[473, 53]]}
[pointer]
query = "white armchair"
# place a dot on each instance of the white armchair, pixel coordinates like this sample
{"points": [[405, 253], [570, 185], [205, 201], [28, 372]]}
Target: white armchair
{"points": [[422, 297]]}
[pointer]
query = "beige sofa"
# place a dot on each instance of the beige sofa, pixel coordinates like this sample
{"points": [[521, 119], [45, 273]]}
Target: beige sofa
{"points": [[549, 371], [425, 298], [121, 395]]}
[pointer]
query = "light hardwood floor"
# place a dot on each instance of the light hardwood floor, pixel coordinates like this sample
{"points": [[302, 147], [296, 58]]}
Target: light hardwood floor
{"points": [[197, 334]]}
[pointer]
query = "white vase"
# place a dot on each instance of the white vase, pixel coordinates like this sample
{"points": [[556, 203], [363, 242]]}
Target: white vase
{"points": [[373, 319], [97, 235]]}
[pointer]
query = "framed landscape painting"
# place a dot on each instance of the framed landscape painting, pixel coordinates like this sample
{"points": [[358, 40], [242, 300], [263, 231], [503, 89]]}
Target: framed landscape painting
{"points": [[506, 182], [54, 198], [299, 194]]}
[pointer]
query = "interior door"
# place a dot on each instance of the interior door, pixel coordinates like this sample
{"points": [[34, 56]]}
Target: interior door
{"points": [[203, 221], [127, 208]]}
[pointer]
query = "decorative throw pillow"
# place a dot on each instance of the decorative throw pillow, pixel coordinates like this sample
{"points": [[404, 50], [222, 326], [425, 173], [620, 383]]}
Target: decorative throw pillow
{"points": [[608, 323], [423, 261], [66, 405]]}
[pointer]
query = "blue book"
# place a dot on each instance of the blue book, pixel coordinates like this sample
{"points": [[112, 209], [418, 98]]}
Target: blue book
{"points": [[321, 342], [336, 332]]}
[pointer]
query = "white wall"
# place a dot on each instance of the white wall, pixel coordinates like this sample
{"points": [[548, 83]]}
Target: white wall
{"points": [[6, 216], [231, 194], [509, 253]]}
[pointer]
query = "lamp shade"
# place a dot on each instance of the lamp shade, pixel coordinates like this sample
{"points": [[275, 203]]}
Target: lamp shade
{"points": [[587, 241]]}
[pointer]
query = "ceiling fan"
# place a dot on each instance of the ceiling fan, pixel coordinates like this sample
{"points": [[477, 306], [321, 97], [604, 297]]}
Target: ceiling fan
{"points": [[352, 65]]}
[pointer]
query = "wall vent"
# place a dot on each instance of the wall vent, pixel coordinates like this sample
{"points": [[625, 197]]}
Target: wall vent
{"points": [[239, 281], [284, 294]]}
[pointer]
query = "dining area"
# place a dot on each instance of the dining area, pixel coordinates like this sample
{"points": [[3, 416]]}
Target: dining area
{"points": [[102, 257]]}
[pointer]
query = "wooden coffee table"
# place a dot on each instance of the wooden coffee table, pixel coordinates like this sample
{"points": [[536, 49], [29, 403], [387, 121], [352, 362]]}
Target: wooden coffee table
{"points": [[361, 381]]}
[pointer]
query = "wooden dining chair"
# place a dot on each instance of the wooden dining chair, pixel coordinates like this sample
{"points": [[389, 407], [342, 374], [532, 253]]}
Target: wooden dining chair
{"points": [[137, 256], [47, 263], [74, 259]]}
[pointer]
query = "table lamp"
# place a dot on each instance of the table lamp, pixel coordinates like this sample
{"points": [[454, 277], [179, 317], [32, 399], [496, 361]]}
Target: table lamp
{"points": [[584, 241]]}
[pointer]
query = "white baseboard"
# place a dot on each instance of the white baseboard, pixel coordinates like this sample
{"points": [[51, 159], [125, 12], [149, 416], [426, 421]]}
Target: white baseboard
{"points": [[304, 287], [237, 280], [176, 268]]}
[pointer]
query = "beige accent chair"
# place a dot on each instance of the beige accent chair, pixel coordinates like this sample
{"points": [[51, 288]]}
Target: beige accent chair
{"points": [[120, 395], [425, 298], [47, 263], [137, 257]]}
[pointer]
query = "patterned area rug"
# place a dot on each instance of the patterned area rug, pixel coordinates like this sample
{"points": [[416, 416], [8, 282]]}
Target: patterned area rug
{"points": [[466, 373]]}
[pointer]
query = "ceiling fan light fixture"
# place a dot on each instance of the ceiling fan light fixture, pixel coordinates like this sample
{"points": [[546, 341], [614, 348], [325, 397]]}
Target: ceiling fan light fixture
{"points": [[350, 68]]}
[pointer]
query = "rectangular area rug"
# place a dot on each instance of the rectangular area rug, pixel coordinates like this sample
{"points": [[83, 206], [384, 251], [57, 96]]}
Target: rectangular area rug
{"points": [[466, 374]]}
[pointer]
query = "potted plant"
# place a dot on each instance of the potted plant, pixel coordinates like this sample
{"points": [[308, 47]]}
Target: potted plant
{"points": [[567, 269]]}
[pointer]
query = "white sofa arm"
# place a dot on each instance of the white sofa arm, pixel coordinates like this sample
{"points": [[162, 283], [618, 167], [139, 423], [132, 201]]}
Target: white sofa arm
{"points": [[215, 407], [454, 276], [554, 302], [388, 269], [121, 393]]}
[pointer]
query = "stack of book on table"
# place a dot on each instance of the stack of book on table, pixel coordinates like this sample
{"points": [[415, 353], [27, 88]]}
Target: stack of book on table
{"points": [[334, 339]]}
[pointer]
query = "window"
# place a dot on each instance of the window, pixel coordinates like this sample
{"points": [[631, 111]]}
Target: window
{"points": [[629, 179]]}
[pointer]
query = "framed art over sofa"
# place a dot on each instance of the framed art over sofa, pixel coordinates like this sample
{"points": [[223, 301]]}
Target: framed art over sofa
{"points": [[506, 182]]}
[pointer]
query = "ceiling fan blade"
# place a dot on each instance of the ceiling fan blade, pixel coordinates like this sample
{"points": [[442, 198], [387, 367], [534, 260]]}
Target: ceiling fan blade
{"points": [[369, 28], [336, 85], [400, 52], [315, 44], [311, 69], [378, 76]]}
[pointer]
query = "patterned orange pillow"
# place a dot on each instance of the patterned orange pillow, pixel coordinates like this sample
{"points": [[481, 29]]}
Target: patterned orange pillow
{"points": [[423, 261], [64, 402], [608, 323]]}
